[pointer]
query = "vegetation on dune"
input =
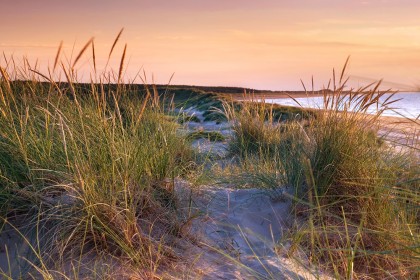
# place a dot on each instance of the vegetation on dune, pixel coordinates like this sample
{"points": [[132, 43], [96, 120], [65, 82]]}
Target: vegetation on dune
{"points": [[87, 175], [210, 135], [357, 198], [87, 172], [184, 118]]}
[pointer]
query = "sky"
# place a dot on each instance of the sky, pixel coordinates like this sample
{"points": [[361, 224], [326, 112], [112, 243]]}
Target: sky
{"points": [[264, 44]]}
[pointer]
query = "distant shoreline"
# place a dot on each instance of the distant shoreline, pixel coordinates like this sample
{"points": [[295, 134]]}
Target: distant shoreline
{"points": [[281, 93], [236, 92], [289, 94], [275, 95]]}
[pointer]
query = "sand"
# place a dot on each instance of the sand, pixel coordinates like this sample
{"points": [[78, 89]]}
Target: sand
{"points": [[239, 233], [239, 230]]}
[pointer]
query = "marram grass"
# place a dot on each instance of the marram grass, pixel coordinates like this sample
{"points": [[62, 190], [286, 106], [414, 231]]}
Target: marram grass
{"points": [[356, 197], [84, 171], [86, 177]]}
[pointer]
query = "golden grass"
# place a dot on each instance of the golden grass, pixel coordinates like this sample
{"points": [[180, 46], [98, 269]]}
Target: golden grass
{"points": [[356, 196]]}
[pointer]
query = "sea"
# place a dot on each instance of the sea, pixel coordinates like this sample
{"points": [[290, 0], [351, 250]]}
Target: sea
{"points": [[406, 106]]}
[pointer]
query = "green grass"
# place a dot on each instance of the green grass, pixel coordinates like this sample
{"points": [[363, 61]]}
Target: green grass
{"points": [[210, 135], [183, 118], [357, 198], [89, 172]]}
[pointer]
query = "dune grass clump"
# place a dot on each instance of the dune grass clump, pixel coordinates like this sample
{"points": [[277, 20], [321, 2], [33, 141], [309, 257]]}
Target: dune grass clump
{"points": [[184, 118], [213, 136], [87, 172], [255, 131], [359, 223], [269, 149], [356, 196]]}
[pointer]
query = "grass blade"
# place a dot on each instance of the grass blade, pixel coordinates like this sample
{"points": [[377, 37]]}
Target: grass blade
{"points": [[122, 64], [82, 51], [58, 55], [94, 56], [115, 43]]}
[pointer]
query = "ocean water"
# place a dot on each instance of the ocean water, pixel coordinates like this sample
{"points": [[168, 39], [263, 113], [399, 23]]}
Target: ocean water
{"points": [[408, 106]]}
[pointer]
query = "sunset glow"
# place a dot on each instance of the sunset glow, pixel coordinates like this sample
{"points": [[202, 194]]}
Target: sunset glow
{"points": [[266, 44]]}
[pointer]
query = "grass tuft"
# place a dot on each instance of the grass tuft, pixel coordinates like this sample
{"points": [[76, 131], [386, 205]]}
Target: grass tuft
{"points": [[356, 196], [89, 171]]}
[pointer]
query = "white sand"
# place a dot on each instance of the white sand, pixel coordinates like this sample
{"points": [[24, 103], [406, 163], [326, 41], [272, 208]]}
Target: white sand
{"points": [[238, 230], [238, 233]]}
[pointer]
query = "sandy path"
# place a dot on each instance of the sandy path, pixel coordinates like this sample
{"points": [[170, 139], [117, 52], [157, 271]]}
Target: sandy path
{"points": [[238, 233], [238, 229]]}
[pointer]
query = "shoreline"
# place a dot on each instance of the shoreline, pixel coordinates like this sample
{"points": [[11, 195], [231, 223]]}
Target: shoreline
{"points": [[274, 95], [259, 96], [288, 94]]}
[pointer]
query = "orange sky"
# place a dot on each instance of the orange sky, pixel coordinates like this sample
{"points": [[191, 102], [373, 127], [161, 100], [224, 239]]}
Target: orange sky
{"points": [[265, 44]]}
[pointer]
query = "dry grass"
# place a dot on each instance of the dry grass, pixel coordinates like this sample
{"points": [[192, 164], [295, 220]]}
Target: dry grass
{"points": [[86, 172], [357, 196]]}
